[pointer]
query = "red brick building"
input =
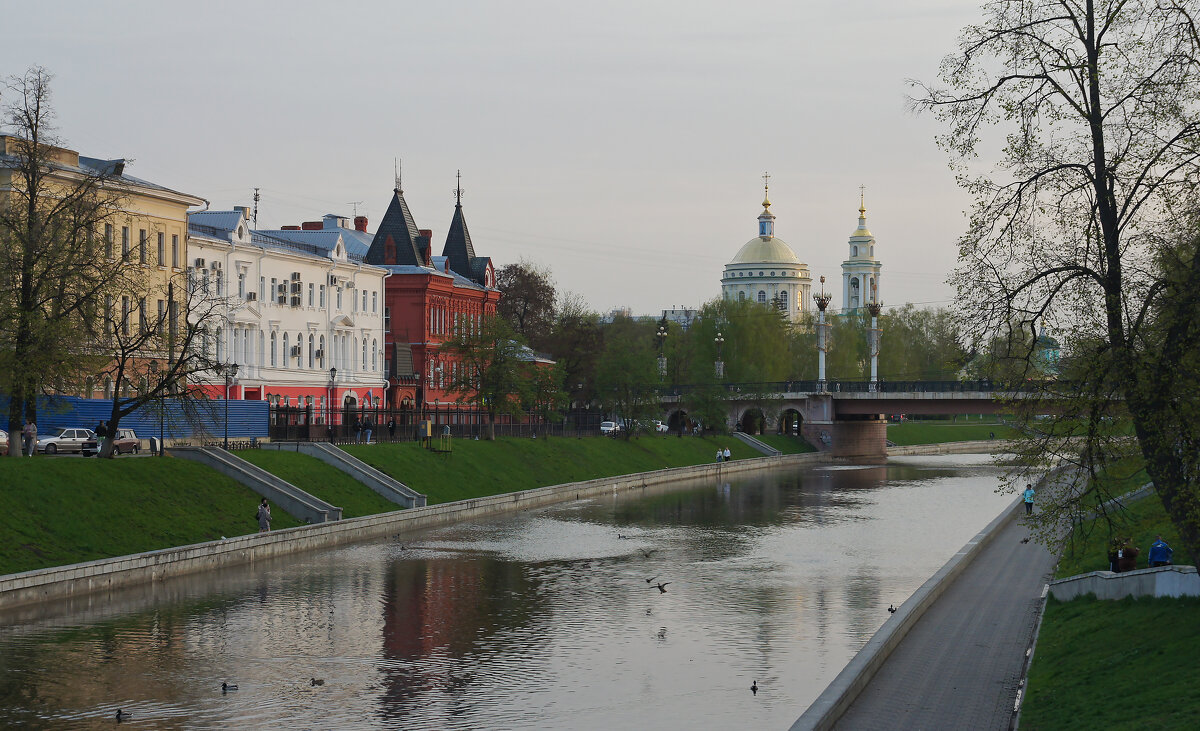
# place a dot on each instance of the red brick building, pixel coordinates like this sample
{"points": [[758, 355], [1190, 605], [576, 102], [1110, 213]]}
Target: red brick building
{"points": [[426, 298]]}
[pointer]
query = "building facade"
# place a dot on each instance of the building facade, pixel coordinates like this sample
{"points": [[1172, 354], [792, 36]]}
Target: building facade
{"points": [[303, 314], [429, 299], [767, 271]]}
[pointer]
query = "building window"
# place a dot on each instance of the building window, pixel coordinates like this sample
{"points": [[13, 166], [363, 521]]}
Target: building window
{"points": [[273, 348], [311, 287], [262, 289], [125, 243], [322, 341], [311, 362], [364, 307], [762, 297], [162, 250], [321, 300], [783, 300], [741, 296], [142, 245], [108, 240], [374, 302], [241, 285], [124, 315], [853, 251], [339, 298], [387, 318], [274, 289], [175, 250], [772, 274], [364, 352], [374, 355], [220, 345], [287, 352], [162, 316]]}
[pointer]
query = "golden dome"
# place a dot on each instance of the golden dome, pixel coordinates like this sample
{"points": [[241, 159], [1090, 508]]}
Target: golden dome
{"points": [[765, 250]]}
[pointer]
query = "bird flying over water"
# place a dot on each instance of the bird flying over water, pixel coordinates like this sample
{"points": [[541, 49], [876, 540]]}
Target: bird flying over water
{"points": [[662, 588], [651, 580]]}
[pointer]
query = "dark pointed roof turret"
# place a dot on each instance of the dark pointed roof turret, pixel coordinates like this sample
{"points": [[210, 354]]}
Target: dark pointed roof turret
{"points": [[459, 251], [397, 238]]}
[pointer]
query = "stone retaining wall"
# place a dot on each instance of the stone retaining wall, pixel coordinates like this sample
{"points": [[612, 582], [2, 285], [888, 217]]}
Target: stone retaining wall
{"points": [[1158, 581]]}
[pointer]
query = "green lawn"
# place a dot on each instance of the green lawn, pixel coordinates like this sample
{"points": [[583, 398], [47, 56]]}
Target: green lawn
{"points": [[479, 468], [786, 444], [1127, 664], [1141, 521], [62, 510], [322, 480], [936, 432]]}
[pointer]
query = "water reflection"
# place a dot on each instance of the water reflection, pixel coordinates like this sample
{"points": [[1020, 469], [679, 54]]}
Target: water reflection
{"points": [[536, 620]]}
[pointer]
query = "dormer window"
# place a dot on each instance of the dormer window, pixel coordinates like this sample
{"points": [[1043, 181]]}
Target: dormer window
{"points": [[241, 231]]}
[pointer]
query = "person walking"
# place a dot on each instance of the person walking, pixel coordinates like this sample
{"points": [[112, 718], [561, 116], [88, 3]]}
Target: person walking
{"points": [[357, 429], [1029, 493], [263, 516], [1160, 553], [719, 454], [368, 427], [726, 454], [29, 434], [391, 425]]}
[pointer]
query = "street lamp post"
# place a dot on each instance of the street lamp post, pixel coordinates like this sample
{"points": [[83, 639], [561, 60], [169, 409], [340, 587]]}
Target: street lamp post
{"points": [[230, 372], [822, 299], [332, 393], [162, 404], [874, 307], [720, 364], [662, 359]]}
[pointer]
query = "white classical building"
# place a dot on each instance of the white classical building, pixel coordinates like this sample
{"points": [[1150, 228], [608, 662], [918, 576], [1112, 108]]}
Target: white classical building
{"points": [[298, 303], [860, 272], [766, 270]]}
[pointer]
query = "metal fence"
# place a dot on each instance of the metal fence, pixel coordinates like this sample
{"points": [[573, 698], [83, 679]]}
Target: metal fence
{"points": [[296, 423]]}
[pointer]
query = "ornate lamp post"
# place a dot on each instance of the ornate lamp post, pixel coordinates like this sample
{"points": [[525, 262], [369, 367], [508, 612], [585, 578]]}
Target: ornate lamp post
{"points": [[873, 338], [230, 372], [332, 392], [822, 299], [719, 340], [662, 359]]}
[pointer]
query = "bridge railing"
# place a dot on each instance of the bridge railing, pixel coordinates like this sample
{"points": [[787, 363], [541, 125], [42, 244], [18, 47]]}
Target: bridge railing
{"points": [[839, 385]]}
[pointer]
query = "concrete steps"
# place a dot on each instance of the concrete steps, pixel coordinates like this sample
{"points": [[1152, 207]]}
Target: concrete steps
{"points": [[380, 482], [296, 502], [753, 443]]}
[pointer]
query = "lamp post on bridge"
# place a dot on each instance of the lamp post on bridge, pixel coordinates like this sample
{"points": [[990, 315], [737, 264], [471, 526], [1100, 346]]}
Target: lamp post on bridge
{"points": [[662, 359], [822, 299], [719, 340], [332, 393], [873, 338]]}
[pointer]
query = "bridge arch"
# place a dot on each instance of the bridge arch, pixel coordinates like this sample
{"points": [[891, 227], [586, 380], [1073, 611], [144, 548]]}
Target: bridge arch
{"points": [[752, 421], [790, 422]]}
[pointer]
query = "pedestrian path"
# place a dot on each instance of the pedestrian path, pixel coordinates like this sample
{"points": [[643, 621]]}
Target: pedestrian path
{"points": [[960, 665]]}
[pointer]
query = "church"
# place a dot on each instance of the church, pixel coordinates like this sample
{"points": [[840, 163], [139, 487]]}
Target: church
{"points": [[766, 270]]}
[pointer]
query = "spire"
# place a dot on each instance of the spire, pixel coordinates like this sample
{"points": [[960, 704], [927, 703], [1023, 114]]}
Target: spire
{"points": [[396, 238], [766, 219], [459, 251], [862, 214], [766, 192], [399, 188]]}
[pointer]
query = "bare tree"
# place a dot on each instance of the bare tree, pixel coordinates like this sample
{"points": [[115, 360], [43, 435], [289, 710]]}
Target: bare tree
{"points": [[54, 275], [1097, 103]]}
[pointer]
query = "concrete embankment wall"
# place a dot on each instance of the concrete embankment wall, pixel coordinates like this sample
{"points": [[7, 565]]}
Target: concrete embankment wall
{"points": [[106, 574], [1172, 581]]}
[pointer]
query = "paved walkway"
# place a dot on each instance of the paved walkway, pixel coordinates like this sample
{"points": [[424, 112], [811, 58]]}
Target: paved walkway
{"points": [[959, 666]]}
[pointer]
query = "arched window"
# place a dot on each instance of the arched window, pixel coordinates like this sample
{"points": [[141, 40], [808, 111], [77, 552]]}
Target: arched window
{"points": [[762, 297], [741, 296], [364, 353], [374, 355], [853, 251], [286, 350], [273, 349], [783, 300], [322, 341], [311, 353], [299, 350]]}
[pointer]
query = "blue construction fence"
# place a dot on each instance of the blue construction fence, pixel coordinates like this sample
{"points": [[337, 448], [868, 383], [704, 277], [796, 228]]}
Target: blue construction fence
{"points": [[202, 420]]}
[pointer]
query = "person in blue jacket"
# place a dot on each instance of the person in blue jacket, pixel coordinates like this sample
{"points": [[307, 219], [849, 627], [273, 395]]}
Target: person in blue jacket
{"points": [[1160, 553], [1029, 499]]}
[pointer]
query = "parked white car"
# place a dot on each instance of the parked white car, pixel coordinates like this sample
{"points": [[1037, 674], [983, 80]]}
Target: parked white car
{"points": [[609, 427], [64, 439], [659, 426]]}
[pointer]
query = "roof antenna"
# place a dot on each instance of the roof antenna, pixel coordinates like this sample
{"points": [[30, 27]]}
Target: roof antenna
{"points": [[257, 198], [458, 189], [399, 189], [356, 204]]}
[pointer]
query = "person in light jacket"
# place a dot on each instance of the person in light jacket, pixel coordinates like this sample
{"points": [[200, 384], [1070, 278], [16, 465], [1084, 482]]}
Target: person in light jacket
{"points": [[264, 516]]}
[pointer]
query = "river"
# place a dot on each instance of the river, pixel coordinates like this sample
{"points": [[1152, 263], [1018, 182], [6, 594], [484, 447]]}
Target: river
{"points": [[542, 619]]}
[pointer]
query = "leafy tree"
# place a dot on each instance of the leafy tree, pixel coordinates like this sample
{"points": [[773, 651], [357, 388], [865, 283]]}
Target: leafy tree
{"points": [[528, 300], [920, 344], [1097, 102], [627, 372], [575, 342], [490, 369], [54, 277]]}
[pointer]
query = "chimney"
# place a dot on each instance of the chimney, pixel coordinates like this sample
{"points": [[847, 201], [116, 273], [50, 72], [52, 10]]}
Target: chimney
{"points": [[360, 223], [312, 225], [244, 210], [289, 228]]}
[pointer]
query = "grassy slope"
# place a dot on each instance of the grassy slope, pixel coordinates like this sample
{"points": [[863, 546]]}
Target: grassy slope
{"points": [[1141, 521], [56, 511], [476, 469], [1127, 664], [924, 432], [324, 481], [786, 444]]}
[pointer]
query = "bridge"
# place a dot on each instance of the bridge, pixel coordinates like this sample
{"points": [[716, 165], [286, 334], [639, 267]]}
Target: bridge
{"points": [[848, 418]]}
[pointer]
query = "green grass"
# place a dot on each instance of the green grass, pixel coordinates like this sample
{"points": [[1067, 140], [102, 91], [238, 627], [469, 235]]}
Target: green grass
{"points": [[322, 480], [1141, 521], [936, 432], [786, 444], [1126, 664], [480, 468], [56, 511]]}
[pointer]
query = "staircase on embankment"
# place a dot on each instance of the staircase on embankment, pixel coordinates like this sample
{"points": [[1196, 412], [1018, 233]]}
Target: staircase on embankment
{"points": [[382, 483]]}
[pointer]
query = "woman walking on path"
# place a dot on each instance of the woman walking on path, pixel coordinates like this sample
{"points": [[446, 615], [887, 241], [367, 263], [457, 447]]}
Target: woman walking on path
{"points": [[1029, 493], [264, 516]]}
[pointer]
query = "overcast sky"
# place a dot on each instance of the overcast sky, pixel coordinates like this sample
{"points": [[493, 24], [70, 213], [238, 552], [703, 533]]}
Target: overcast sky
{"points": [[618, 144]]}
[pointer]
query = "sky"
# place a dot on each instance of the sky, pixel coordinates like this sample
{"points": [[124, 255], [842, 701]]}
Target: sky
{"points": [[620, 145]]}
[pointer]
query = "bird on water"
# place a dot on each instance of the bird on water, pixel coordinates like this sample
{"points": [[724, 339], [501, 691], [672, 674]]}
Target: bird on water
{"points": [[647, 553], [662, 588], [754, 687], [316, 681], [892, 608], [226, 687], [123, 716]]}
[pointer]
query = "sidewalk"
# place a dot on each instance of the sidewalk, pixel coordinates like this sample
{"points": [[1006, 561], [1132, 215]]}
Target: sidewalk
{"points": [[959, 666]]}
